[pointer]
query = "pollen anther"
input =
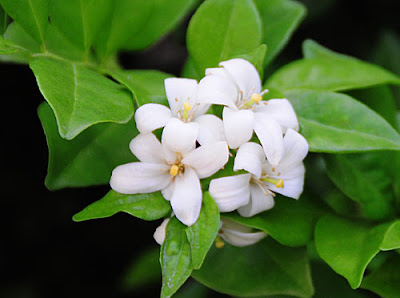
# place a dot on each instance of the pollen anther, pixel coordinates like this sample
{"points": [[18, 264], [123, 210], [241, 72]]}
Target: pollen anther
{"points": [[174, 170]]}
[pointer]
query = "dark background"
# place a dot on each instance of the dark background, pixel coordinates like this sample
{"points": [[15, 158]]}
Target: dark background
{"points": [[43, 253]]}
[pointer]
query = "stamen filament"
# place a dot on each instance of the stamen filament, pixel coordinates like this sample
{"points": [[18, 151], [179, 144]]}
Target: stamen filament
{"points": [[186, 108], [278, 182], [255, 98]]}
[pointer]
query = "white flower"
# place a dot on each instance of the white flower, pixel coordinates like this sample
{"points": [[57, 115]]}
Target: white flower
{"points": [[238, 234], [185, 106], [175, 172], [160, 232], [237, 86], [254, 192]]}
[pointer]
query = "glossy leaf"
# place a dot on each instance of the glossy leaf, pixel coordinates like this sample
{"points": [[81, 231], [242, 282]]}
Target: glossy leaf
{"points": [[290, 222], [89, 158], [189, 70], [32, 15], [175, 258], [328, 284], [381, 100], [16, 35], [385, 281], [329, 71], [266, 268], [222, 29], [365, 179], [80, 20], [147, 86], [280, 18], [333, 122], [79, 96], [202, 234], [162, 18], [149, 206], [124, 22], [348, 246], [256, 57], [8, 47]]}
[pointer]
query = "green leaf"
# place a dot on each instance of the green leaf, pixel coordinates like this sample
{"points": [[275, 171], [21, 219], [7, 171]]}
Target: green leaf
{"points": [[333, 122], [189, 70], [221, 30], [176, 261], [8, 47], [280, 19], [266, 268], [312, 49], [149, 206], [80, 20], [124, 22], [202, 234], [79, 96], [89, 158], [330, 285], [16, 35], [3, 21], [385, 280], [163, 16], [144, 270], [291, 222], [330, 72], [364, 179], [381, 100], [256, 57], [147, 86], [32, 15], [348, 246]]}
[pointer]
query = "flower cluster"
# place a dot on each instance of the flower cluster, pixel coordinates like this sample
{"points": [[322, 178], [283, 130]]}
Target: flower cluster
{"points": [[195, 145]]}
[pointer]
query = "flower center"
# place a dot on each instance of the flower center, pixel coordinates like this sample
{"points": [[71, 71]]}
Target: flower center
{"points": [[177, 168], [255, 99], [186, 113]]}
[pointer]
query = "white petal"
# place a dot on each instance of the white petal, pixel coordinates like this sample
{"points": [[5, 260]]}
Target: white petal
{"points": [[293, 182], [208, 159], [216, 89], [179, 136], [180, 90], [250, 157], [238, 234], [168, 191], [269, 132], [159, 234], [187, 197], [151, 116], [295, 150], [230, 192], [238, 125], [245, 75], [147, 148], [140, 177], [211, 129], [259, 202], [281, 111]]}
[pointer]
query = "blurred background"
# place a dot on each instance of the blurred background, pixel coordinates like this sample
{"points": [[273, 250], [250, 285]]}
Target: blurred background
{"points": [[43, 253]]}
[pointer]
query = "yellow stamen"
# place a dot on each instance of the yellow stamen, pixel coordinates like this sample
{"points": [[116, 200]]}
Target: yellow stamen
{"points": [[174, 170], [186, 108], [278, 182], [219, 243], [254, 98]]}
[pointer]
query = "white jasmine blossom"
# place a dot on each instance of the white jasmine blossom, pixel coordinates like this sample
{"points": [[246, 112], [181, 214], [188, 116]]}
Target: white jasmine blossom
{"points": [[254, 192], [237, 86], [237, 234], [185, 107], [160, 232], [174, 167]]}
